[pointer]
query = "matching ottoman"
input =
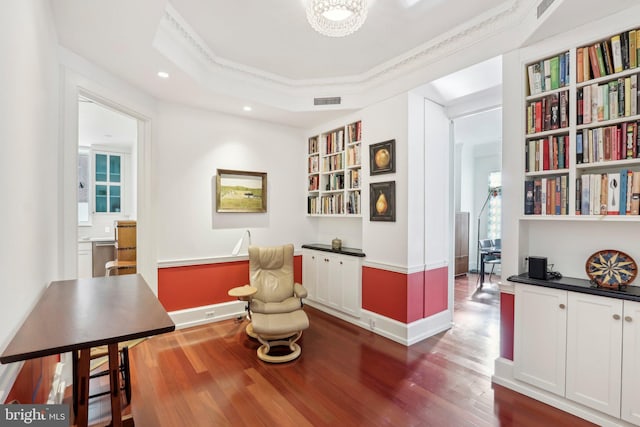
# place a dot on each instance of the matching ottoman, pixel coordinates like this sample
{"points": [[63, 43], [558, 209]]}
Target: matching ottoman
{"points": [[282, 329]]}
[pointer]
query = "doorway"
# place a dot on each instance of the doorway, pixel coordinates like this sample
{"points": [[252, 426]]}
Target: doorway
{"points": [[107, 151]]}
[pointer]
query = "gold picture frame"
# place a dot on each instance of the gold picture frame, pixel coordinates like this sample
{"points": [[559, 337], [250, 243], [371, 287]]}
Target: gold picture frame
{"points": [[241, 191]]}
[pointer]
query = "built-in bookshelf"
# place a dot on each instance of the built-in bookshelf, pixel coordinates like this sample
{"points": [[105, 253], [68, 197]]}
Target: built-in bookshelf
{"points": [[582, 145], [334, 171]]}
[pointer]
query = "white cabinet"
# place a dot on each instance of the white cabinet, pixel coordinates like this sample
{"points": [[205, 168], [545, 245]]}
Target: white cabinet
{"points": [[630, 408], [333, 280], [84, 260], [591, 341], [540, 337], [310, 262], [594, 351]]}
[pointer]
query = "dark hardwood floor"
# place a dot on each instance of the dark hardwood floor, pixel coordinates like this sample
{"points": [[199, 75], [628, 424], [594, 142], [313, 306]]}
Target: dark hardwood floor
{"points": [[347, 376]]}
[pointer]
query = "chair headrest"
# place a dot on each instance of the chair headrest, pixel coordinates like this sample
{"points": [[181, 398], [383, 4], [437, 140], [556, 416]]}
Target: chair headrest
{"points": [[269, 258]]}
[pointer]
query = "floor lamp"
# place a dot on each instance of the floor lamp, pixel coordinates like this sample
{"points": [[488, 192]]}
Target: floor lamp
{"points": [[493, 192]]}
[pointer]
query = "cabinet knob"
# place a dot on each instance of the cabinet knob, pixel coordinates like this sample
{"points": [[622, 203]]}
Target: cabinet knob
{"points": [[616, 316], [562, 306], [628, 318], [340, 262]]}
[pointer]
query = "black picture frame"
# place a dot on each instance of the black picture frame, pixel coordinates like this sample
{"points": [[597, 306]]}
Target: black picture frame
{"points": [[382, 157], [382, 201]]}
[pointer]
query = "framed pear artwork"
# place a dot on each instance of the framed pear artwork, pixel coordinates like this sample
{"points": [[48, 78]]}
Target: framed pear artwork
{"points": [[382, 199], [382, 157]]}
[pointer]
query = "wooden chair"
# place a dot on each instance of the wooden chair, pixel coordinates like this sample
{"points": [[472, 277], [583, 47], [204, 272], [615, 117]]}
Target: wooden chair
{"points": [[126, 243]]}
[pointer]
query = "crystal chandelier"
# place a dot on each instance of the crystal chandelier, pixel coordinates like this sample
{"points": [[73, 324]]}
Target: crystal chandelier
{"points": [[336, 18]]}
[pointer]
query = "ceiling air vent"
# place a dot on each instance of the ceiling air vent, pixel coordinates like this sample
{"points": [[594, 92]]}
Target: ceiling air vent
{"points": [[334, 100], [543, 6]]}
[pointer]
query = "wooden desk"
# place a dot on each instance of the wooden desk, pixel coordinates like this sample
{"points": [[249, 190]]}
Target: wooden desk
{"points": [[75, 315]]}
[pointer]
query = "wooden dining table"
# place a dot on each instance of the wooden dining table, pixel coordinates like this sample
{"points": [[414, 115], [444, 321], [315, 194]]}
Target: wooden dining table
{"points": [[76, 315]]}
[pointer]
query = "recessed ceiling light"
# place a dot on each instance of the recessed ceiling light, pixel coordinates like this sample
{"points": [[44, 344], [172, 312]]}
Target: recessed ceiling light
{"points": [[163, 74], [246, 108]]}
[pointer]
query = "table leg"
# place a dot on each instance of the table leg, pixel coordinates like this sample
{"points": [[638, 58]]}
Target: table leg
{"points": [[114, 384], [482, 254], [74, 385], [82, 419]]}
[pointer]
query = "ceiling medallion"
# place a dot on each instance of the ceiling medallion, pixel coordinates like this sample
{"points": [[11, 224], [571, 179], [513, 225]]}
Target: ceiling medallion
{"points": [[336, 18]]}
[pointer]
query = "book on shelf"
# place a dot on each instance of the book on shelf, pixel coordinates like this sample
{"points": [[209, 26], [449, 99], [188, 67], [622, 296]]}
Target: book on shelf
{"points": [[313, 145], [353, 155], [617, 53], [353, 202], [549, 74], [606, 59], [548, 113], [609, 56], [614, 204], [546, 196], [528, 198], [354, 132], [334, 141], [611, 193], [635, 194], [579, 149], [314, 183], [550, 153], [614, 142], [312, 205]]}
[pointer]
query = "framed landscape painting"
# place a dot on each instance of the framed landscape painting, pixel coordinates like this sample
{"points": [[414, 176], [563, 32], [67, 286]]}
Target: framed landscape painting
{"points": [[241, 191]]}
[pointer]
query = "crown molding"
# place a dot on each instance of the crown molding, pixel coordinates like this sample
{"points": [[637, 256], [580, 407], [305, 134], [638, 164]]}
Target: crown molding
{"points": [[177, 40]]}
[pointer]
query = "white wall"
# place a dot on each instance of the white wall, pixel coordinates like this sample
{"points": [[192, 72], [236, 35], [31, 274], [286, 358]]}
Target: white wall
{"points": [[386, 242], [437, 215], [29, 168], [190, 145]]}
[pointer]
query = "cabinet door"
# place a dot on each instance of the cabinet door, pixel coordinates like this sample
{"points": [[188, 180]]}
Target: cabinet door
{"points": [[84, 261], [540, 337], [310, 260], [322, 284], [334, 283], [594, 352], [350, 284], [631, 363]]}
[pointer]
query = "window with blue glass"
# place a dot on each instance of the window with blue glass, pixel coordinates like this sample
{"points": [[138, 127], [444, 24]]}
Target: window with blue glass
{"points": [[107, 183]]}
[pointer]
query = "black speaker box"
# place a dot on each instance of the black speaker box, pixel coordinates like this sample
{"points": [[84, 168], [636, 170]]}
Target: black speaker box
{"points": [[538, 267]]}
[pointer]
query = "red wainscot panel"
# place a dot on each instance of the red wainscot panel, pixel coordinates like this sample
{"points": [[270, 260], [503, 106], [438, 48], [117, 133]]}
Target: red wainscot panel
{"points": [[395, 295], [192, 286], [436, 291], [506, 325]]}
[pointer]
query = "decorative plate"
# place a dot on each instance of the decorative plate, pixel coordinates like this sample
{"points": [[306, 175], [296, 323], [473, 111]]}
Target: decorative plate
{"points": [[610, 268]]}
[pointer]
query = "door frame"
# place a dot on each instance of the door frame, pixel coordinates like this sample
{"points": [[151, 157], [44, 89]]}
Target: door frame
{"points": [[75, 85]]}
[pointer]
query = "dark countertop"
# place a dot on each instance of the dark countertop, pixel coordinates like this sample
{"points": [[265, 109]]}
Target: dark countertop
{"points": [[631, 293], [327, 248]]}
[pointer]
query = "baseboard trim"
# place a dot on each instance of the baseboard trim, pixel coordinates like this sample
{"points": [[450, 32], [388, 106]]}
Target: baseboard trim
{"points": [[202, 315], [402, 333], [432, 325], [503, 375], [8, 375]]}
